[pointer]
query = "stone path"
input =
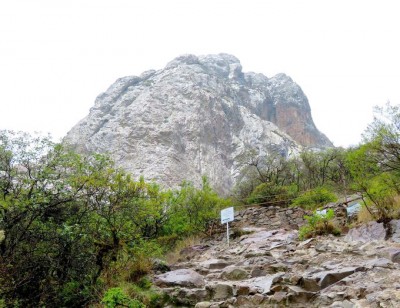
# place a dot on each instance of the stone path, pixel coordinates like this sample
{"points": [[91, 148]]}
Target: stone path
{"points": [[272, 268]]}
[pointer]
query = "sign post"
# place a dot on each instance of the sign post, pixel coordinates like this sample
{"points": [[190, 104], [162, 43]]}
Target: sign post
{"points": [[227, 215]]}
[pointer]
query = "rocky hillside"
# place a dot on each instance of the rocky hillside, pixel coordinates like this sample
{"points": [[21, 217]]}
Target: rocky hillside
{"points": [[270, 267], [197, 116]]}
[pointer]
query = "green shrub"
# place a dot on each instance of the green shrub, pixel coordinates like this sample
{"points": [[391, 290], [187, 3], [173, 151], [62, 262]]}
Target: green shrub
{"points": [[314, 198], [271, 194], [143, 292], [72, 292], [168, 242], [141, 262], [144, 283], [115, 297], [238, 232], [319, 224], [195, 211]]}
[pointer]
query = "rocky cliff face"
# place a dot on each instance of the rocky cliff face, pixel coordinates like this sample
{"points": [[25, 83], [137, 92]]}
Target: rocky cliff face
{"points": [[197, 116]]}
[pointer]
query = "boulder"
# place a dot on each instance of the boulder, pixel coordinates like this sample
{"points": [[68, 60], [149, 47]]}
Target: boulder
{"points": [[264, 284], [181, 278], [381, 262], [185, 296], [213, 264], [243, 301], [234, 273], [394, 254], [342, 304], [299, 295], [203, 305], [371, 231], [220, 291], [323, 279], [242, 290], [258, 271], [331, 277], [279, 297], [395, 230], [257, 299]]}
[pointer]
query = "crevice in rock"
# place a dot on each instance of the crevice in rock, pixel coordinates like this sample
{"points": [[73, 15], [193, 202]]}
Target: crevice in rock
{"points": [[388, 227]]}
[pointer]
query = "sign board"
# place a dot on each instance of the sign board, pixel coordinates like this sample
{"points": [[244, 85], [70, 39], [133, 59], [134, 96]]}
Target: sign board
{"points": [[227, 215]]}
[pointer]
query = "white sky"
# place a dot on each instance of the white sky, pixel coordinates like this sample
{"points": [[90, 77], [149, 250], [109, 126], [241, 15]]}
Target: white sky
{"points": [[56, 56]]}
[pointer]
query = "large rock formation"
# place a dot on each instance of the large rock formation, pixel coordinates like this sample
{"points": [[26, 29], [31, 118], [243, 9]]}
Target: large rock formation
{"points": [[197, 116]]}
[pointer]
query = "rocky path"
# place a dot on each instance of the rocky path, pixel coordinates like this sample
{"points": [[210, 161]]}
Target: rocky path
{"points": [[272, 268]]}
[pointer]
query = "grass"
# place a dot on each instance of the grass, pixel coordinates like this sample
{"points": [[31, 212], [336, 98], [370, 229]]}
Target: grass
{"points": [[396, 207], [392, 209], [175, 254], [364, 215]]}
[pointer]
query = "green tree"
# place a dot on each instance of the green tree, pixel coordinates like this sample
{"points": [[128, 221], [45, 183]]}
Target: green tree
{"points": [[271, 194], [195, 210], [65, 218], [383, 137], [73, 225], [375, 165], [314, 198], [378, 187]]}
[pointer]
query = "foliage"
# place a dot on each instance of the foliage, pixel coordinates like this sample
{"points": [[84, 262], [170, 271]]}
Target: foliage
{"points": [[322, 168], [174, 255], [314, 198], [378, 185], [115, 297], [273, 169], [195, 210], [143, 292], [319, 224], [364, 215], [277, 180], [383, 137], [143, 255], [372, 169], [74, 225], [270, 194]]}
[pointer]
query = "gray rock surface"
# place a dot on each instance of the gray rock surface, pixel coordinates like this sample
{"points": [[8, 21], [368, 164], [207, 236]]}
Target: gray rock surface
{"points": [[395, 230], [182, 277], [234, 273], [197, 116], [319, 272], [371, 231]]}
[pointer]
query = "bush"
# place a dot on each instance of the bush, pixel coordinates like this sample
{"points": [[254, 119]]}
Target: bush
{"points": [[238, 232], [168, 242], [314, 198], [144, 293], [195, 211], [319, 224], [271, 194], [115, 297], [141, 261]]}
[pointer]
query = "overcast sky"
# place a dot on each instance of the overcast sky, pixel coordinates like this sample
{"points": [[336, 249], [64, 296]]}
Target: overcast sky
{"points": [[57, 56]]}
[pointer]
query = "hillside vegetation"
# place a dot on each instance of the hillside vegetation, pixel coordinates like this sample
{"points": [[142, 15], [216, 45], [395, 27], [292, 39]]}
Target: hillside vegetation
{"points": [[77, 231]]}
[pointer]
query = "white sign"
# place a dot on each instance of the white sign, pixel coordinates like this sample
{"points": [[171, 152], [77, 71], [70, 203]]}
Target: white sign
{"points": [[227, 215]]}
